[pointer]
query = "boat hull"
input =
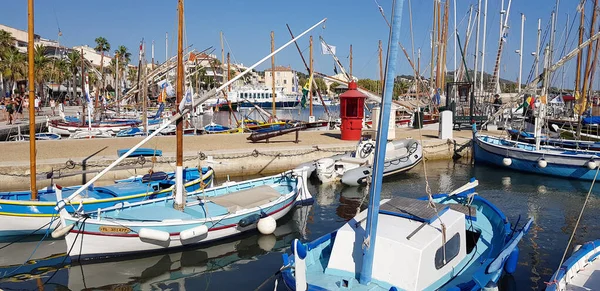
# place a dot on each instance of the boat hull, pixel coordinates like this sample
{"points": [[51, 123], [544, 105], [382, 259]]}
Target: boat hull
{"points": [[524, 158], [23, 217], [91, 243]]}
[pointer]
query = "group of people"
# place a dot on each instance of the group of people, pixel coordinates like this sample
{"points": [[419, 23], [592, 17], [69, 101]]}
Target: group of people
{"points": [[12, 107]]}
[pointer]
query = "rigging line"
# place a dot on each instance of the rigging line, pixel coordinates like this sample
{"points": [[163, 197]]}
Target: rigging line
{"points": [[230, 50], [362, 69], [382, 13], [587, 197]]}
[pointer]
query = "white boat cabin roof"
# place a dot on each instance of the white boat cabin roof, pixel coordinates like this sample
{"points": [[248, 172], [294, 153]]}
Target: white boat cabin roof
{"points": [[408, 249]]}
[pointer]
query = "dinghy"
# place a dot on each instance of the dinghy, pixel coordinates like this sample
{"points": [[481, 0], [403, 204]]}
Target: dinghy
{"points": [[353, 168], [21, 216], [208, 215]]}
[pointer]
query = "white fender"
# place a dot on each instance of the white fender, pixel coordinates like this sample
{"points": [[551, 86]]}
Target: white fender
{"points": [[266, 225], [152, 234], [591, 165], [61, 231], [193, 232], [507, 161]]}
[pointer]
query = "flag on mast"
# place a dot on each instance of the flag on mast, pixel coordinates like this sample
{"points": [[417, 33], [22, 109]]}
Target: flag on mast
{"points": [[327, 49], [307, 87]]}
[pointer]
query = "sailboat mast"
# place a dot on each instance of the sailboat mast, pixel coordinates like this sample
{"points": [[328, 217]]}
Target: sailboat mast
{"points": [[82, 91], [370, 235], [433, 45], [273, 71], [31, 85], [381, 67], [310, 72], [179, 199], [521, 54], [483, 43], [477, 33], [588, 65], [351, 62]]}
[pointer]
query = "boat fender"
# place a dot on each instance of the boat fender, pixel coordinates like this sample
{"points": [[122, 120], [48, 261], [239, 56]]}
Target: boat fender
{"points": [[267, 225], [591, 165], [542, 163], [152, 234], [511, 263], [61, 231], [249, 220], [193, 232], [507, 161]]}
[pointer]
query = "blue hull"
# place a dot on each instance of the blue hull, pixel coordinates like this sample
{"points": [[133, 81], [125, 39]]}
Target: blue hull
{"points": [[16, 206], [530, 165]]}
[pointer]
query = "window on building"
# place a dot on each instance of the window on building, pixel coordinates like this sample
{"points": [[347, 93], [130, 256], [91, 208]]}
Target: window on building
{"points": [[452, 248], [284, 82], [278, 73]]}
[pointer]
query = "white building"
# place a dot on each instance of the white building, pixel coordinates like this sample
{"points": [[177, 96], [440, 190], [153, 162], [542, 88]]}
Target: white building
{"points": [[284, 79], [22, 38], [93, 56]]}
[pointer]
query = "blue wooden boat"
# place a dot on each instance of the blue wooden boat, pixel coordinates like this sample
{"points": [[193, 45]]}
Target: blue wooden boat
{"points": [[479, 246], [214, 128], [141, 152], [581, 271], [548, 160], [129, 132], [456, 241], [21, 216], [208, 215]]}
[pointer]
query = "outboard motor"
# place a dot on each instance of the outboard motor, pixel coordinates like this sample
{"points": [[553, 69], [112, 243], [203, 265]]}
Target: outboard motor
{"points": [[325, 170]]}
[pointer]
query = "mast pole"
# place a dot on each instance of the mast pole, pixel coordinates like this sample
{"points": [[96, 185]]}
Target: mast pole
{"points": [[179, 199], [381, 67], [370, 236], [537, 48], [476, 63], [117, 57], [351, 62], [82, 91], [483, 43], [580, 53], [433, 45], [310, 72], [588, 66], [152, 54], [31, 86], [455, 48], [273, 73], [521, 54], [439, 45], [144, 90], [166, 47]]}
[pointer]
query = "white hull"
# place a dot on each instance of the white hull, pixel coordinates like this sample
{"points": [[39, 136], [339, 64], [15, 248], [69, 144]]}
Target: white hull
{"points": [[19, 225], [105, 244]]}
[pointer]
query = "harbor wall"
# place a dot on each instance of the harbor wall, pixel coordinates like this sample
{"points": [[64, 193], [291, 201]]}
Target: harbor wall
{"points": [[228, 155]]}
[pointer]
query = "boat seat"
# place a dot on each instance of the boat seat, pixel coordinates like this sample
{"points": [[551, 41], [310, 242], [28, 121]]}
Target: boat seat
{"points": [[353, 160], [419, 210], [246, 199]]}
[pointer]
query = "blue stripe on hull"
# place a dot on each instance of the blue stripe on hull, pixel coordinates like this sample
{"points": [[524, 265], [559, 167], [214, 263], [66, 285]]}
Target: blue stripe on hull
{"points": [[564, 171]]}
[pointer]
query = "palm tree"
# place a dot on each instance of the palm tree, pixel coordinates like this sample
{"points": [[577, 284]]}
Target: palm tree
{"points": [[132, 75], [6, 41], [124, 58], [102, 46], [42, 68], [13, 65], [74, 62]]}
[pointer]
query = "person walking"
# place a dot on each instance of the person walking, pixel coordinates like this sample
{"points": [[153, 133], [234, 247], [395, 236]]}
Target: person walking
{"points": [[53, 106], [36, 104], [9, 109], [18, 103]]}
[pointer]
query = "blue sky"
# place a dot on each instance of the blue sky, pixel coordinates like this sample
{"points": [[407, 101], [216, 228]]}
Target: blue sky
{"points": [[247, 25]]}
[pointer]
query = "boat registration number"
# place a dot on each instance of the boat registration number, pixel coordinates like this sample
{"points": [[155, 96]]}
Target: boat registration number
{"points": [[114, 229]]}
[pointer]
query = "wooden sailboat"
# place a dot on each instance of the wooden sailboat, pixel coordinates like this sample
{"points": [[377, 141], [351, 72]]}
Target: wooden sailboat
{"points": [[408, 244], [197, 217]]}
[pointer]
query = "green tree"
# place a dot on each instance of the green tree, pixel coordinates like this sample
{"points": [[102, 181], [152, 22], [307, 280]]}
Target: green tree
{"points": [[102, 46], [124, 57], [13, 65], [74, 63], [41, 69], [321, 85]]}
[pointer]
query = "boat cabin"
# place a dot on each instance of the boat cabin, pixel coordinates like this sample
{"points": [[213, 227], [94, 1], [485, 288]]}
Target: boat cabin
{"points": [[412, 249]]}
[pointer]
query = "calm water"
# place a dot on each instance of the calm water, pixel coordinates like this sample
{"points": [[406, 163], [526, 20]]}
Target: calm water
{"points": [[246, 262]]}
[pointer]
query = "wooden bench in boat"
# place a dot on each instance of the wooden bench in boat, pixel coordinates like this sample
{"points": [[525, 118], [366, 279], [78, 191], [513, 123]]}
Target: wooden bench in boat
{"points": [[419, 210], [246, 199]]}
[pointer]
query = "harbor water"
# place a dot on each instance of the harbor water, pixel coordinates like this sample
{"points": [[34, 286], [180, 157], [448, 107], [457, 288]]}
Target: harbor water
{"points": [[250, 261]]}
